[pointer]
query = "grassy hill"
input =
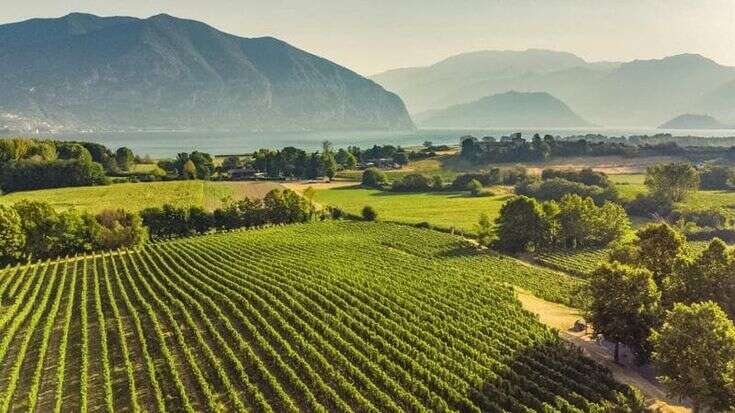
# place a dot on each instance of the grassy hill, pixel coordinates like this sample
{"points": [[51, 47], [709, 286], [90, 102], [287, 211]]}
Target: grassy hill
{"points": [[319, 317], [136, 196]]}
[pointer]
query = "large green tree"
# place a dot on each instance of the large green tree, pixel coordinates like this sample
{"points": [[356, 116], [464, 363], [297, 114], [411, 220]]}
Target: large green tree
{"points": [[124, 158], [522, 224], [672, 182], [694, 351], [709, 276], [623, 305], [659, 246]]}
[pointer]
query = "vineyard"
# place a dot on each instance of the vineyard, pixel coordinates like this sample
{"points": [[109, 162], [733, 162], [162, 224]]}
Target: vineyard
{"points": [[317, 317]]}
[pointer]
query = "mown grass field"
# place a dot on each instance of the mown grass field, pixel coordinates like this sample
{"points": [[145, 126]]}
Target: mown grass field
{"points": [[443, 209], [136, 196], [318, 317]]}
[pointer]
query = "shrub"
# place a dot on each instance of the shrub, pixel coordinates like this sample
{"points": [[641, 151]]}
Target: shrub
{"points": [[12, 236], [412, 183], [373, 178], [369, 214], [119, 229], [74, 151], [475, 187], [716, 177], [486, 179], [645, 205]]}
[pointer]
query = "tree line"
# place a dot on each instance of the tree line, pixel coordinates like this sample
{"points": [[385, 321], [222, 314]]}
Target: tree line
{"points": [[35, 230]]}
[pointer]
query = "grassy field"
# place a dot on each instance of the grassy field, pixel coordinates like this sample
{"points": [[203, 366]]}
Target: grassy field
{"points": [[318, 317], [444, 209], [136, 196]]}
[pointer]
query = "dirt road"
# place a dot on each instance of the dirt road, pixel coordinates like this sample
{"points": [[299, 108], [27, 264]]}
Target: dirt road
{"points": [[562, 318]]}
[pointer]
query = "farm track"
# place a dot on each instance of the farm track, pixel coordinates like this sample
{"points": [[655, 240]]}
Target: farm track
{"points": [[331, 316]]}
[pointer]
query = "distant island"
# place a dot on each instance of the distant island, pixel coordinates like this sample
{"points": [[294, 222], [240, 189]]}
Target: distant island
{"points": [[691, 121], [520, 109]]}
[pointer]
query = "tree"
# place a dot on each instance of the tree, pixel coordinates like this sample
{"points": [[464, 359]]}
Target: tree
{"points": [[124, 158], [119, 229], [522, 224], [716, 177], [475, 187], [694, 351], [624, 303], [400, 158], [230, 163], [437, 184], [373, 178], [12, 236], [189, 171], [414, 182], [484, 230], [345, 159], [673, 182], [470, 149], [70, 151], [582, 223], [287, 207], [710, 276], [658, 246], [329, 165], [369, 214]]}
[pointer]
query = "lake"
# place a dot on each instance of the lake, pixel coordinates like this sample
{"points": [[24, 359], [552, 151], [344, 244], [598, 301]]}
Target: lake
{"points": [[167, 144]]}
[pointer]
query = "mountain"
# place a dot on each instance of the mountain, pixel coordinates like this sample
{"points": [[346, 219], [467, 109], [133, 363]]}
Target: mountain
{"points": [[690, 121], [637, 93], [516, 109], [121, 73], [460, 78]]}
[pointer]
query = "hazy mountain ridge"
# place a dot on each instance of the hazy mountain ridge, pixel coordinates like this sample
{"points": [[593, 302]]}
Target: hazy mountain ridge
{"points": [[510, 109], [637, 93], [693, 121], [87, 72]]}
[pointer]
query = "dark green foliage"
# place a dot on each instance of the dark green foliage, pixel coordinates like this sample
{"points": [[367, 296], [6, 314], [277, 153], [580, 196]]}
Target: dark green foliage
{"points": [[345, 159], [585, 176], [709, 276], [373, 178], [286, 207], [492, 177], [400, 158], [26, 175], [647, 205], [369, 213], [69, 151], [231, 162], [414, 182], [124, 158], [694, 351], [437, 183], [12, 236], [716, 177], [166, 222], [556, 188], [522, 225], [624, 305]]}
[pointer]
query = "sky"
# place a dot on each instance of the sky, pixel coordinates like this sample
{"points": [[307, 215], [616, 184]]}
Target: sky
{"points": [[373, 36]]}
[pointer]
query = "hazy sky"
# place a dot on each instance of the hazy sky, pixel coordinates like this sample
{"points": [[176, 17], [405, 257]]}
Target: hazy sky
{"points": [[372, 36]]}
